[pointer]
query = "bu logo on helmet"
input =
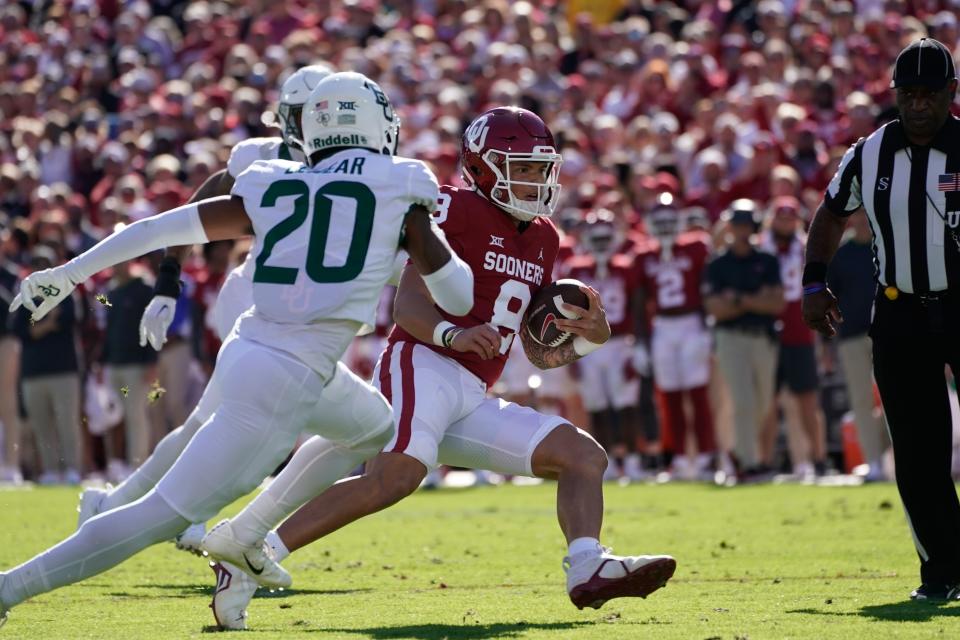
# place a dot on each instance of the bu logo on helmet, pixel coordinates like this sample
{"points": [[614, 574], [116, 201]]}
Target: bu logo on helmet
{"points": [[381, 99], [476, 134]]}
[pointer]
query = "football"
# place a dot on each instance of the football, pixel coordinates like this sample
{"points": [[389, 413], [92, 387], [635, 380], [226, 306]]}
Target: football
{"points": [[545, 309]]}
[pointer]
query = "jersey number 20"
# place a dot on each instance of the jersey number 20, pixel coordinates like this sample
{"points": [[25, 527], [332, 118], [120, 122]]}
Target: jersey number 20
{"points": [[319, 231]]}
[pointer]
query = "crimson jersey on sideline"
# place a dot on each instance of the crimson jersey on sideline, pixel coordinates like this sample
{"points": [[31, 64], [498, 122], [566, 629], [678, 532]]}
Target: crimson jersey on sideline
{"points": [[509, 267], [794, 331], [616, 287], [674, 283]]}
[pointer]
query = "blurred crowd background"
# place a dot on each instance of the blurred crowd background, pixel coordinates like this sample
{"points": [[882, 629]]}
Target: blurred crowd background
{"points": [[111, 111]]}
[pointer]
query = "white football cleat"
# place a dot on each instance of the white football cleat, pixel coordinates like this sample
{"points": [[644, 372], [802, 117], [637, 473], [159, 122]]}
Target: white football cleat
{"points": [[90, 501], [256, 560], [594, 579], [233, 593], [189, 539]]}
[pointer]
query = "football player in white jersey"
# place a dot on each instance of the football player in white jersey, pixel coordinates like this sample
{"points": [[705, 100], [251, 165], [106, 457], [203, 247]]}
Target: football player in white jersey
{"points": [[329, 234], [235, 297]]}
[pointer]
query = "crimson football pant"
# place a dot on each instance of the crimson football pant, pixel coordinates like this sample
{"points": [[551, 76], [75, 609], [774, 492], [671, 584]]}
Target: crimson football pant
{"points": [[676, 419], [912, 342]]}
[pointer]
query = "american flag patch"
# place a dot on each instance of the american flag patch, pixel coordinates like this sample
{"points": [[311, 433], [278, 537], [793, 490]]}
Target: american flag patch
{"points": [[948, 182]]}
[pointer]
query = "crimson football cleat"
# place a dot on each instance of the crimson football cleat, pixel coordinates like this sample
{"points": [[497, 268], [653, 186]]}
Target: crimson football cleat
{"points": [[598, 578]]}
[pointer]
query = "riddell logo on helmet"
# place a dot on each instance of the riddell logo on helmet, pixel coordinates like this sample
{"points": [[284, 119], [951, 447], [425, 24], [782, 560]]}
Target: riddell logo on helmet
{"points": [[352, 140]]}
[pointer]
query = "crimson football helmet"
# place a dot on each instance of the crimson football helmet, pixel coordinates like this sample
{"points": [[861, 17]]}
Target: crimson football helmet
{"points": [[664, 224], [600, 236], [504, 136]]}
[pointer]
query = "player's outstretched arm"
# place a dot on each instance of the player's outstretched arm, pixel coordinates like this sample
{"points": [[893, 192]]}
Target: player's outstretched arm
{"points": [[215, 219], [447, 277], [158, 315], [590, 328]]}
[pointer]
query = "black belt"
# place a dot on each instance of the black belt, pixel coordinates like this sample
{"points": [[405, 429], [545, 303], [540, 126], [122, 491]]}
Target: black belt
{"points": [[933, 304], [893, 294]]}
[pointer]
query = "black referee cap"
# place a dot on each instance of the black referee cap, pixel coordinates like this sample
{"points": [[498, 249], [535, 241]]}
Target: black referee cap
{"points": [[925, 62]]}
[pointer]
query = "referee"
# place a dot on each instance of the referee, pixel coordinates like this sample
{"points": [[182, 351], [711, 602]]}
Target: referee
{"points": [[906, 176]]}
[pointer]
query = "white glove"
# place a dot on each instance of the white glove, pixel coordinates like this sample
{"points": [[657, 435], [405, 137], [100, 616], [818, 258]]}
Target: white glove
{"points": [[156, 320], [641, 359], [53, 285]]}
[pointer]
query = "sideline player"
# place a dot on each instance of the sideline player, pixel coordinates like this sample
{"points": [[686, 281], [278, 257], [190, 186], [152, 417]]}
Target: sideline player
{"points": [[436, 371], [608, 385], [670, 270], [318, 275], [235, 297]]}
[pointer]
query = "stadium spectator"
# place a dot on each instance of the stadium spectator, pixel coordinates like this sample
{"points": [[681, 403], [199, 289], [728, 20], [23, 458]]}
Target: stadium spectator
{"points": [[744, 294], [10, 472], [50, 370], [130, 366], [797, 377]]}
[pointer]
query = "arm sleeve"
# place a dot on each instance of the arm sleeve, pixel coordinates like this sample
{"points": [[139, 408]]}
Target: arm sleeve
{"points": [[842, 196], [173, 228]]}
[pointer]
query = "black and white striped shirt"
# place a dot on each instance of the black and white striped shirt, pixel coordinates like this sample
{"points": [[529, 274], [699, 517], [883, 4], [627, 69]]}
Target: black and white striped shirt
{"points": [[910, 195]]}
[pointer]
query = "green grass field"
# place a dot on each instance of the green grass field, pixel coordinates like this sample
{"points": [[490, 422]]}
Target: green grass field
{"points": [[754, 562]]}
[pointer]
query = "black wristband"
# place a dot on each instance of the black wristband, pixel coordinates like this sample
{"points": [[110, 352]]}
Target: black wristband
{"points": [[168, 278], [814, 272]]}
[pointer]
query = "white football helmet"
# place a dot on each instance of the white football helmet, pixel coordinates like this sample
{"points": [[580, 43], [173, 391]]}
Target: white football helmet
{"points": [[293, 95], [348, 109]]}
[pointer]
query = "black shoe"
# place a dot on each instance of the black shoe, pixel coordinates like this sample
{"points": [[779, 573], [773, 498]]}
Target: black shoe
{"points": [[936, 592]]}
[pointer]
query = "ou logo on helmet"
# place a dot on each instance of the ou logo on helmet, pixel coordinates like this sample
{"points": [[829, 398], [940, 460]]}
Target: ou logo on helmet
{"points": [[476, 134]]}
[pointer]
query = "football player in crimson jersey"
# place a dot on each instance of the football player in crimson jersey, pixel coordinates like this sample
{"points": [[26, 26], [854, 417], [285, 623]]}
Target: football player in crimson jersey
{"points": [[669, 270], [437, 367], [797, 360], [609, 386]]}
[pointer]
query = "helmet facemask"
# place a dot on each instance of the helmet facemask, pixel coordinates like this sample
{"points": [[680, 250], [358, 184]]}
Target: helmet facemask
{"points": [[602, 241], [290, 128], [548, 191], [664, 225]]}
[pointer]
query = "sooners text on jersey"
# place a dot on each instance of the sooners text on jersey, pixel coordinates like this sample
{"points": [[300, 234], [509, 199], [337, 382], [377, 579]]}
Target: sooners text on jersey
{"points": [[673, 284], [615, 284], [509, 267]]}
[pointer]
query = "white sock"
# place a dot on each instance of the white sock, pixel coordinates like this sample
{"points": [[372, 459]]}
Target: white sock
{"points": [[584, 547], [280, 551], [314, 467]]}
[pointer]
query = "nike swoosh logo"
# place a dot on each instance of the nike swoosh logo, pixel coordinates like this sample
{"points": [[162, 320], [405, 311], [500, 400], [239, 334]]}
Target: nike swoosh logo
{"points": [[163, 308], [255, 571]]}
